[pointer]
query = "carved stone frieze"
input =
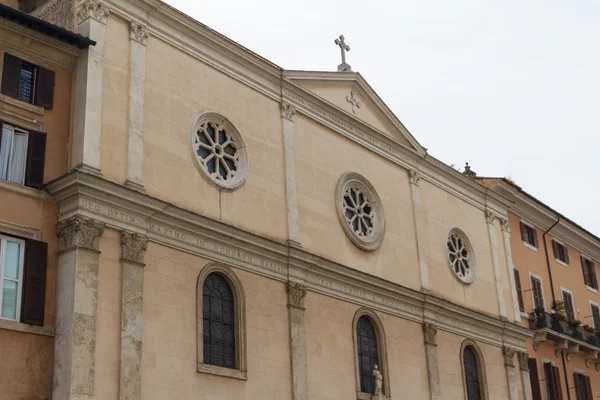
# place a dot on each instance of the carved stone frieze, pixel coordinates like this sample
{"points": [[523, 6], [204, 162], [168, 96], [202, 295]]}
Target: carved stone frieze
{"points": [[430, 332], [415, 177], [523, 360], [139, 32], [288, 111], [79, 232], [509, 356], [296, 294], [133, 247], [57, 12], [92, 9]]}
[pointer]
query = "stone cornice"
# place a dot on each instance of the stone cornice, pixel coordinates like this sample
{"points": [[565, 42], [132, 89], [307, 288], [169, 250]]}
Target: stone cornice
{"points": [[83, 195]]}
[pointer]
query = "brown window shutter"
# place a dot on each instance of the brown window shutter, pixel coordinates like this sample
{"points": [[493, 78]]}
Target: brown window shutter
{"points": [[34, 283], [568, 299], [523, 231], [549, 378], [554, 248], [36, 156], [518, 288], [535, 238], [579, 388], [596, 316], [566, 254], [556, 380], [588, 388], [44, 95], [534, 379], [11, 75], [591, 271], [586, 275]]}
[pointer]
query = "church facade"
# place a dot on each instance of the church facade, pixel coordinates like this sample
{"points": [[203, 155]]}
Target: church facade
{"points": [[229, 229]]}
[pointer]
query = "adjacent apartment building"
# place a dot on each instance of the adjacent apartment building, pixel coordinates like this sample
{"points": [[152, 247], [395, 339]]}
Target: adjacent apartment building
{"points": [[38, 61], [555, 273]]}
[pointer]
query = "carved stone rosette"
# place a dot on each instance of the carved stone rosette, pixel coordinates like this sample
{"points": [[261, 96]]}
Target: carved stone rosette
{"points": [[92, 9], [288, 111], [296, 294], [79, 232], [133, 247], [430, 332], [509, 356], [523, 360], [139, 32]]}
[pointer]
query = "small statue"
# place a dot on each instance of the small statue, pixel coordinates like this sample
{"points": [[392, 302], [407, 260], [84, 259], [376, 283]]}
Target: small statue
{"points": [[378, 378]]}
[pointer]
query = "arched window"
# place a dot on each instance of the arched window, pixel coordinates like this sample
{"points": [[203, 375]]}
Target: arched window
{"points": [[473, 372], [221, 323], [369, 344]]}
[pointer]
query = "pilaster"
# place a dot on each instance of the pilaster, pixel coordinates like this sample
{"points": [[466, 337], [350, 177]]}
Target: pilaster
{"points": [[490, 217], [296, 294], [415, 178], [91, 18], [509, 365], [133, 247], [76, 292], [287, 117], [510, 267], [524, 368], [137, 73], [430, 332]]}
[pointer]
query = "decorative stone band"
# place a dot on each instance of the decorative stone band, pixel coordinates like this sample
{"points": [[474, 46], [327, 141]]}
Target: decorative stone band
{"points": [[133, 247], [288, 111], [79, 232], [92, 9], [523, 360], [139, 32], [296, 294], [509, 356], [127, 210], [430, 332]]}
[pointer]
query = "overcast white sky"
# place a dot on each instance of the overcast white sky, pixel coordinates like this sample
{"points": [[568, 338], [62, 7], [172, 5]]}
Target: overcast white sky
{"points": [[511, 86]]}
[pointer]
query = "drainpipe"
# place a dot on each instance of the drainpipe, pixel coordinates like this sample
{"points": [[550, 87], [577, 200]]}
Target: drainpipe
{"points": [[564, 363]]}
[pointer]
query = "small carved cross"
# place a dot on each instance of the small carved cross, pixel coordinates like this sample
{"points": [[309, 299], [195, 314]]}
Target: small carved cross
{"points": [[355, 103], [344, 48]]}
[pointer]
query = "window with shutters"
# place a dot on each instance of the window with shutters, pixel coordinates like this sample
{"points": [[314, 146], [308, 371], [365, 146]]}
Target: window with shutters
{"points": [[537, 293], [552, 379], [589, 273], [370, 353], [12, 258], [22, 156], [583, 387], [27, 82], [221, 327], [529, 235], [569, 307], [519, 290], [595, 308], [561, 253], [534, 379], [473, 372]]}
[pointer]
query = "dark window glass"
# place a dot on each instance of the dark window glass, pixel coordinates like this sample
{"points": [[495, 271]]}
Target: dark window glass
{"points": [[472, 374], [27, 82], [367, 353], [218, 322]]}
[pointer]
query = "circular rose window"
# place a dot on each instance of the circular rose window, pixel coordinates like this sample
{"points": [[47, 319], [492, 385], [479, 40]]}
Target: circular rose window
{"points": [[460, 255], [218, 151], [360, 211]]}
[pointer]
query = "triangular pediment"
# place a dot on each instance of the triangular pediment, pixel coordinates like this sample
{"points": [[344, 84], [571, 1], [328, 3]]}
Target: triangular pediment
{"points": [[350, 92]]}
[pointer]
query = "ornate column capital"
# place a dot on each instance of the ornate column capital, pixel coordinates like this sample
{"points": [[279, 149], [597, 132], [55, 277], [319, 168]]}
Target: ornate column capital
{"points": [[139, 32], [490, 217], [523, 360], [79, 232], [296, 294], [430, 331], [505, 225], [415, 177], [509, 356], [288, 111], [92, 9], [133, 247]]}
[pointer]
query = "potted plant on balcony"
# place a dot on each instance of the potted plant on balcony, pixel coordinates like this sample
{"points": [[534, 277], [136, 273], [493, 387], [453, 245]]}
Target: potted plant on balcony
{"points": [[588, 329], [577, 329], [558, 315]]}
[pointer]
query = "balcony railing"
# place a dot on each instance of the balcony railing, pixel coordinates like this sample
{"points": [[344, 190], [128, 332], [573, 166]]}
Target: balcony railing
{"points": [[553, 322]]}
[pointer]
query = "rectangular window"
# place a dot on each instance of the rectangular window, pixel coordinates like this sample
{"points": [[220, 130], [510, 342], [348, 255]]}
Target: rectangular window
{"points": [[22, 156], [583, 387], [536, 291], [529, 234], [534, 379], [27, 82], [519, 290], [561, 252], [596, 316], [12, 253], [589, 272], [553, 386], [569, 310]]}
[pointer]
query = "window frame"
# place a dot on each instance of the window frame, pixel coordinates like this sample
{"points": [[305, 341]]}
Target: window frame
{"points": [[241, 370], [539, 278], [21, 131], [587, 259], [481, 370], [547, 381], [3, 239], [531, 246], [597, 305], [381, 352], [573, 308], [565, 263]]}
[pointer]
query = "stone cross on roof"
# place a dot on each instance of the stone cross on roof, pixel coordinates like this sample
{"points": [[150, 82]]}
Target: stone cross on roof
{"points": [[343, 67]]}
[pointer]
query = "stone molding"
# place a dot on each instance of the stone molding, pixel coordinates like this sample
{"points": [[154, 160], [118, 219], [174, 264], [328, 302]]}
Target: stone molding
{"points": [[133, 247], [79, 232], [139, 32], [92, 9], [430, 332], [296, 294], [85, 195], [288, 111], [509, 356]]}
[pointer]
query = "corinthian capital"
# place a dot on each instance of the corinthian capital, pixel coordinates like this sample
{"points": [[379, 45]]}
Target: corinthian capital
{"points": [[288, 111], [133, 247], [296, 293], [139, 32], [79, 232], [430, 332], [509, 356], [523, 360], [92, 9]]}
